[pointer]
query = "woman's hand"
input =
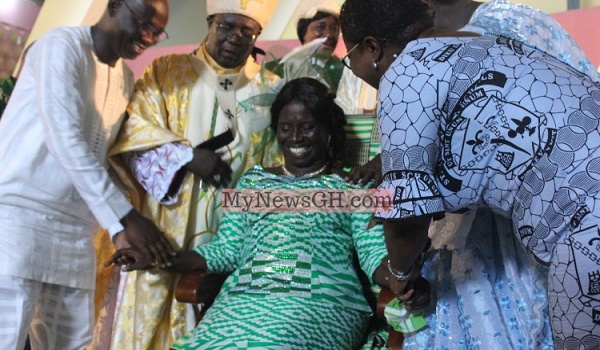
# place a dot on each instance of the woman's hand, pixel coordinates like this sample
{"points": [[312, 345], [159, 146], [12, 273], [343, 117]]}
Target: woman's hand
{"points": [[188, 260], [363, 174], [414, 291], [416, 294]]}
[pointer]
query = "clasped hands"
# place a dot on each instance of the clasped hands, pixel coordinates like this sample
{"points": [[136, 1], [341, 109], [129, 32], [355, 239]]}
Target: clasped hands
{"points": [[131, 259], [141, 246], [414, 292]]}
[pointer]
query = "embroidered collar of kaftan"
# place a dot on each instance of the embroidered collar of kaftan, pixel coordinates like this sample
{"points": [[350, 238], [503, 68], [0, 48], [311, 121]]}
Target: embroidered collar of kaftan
{"points": [[239, 76], [214, 65]]}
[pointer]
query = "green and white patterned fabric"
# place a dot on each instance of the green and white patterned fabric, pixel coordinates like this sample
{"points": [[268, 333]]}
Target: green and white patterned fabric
{"points": [[361, 133], [293, 284]]}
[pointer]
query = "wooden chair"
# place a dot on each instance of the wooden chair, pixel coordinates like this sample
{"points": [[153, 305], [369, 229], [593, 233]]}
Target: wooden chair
{"points": [[198, 288]]}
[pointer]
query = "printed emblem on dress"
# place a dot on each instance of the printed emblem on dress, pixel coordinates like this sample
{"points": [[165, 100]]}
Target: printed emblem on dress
{"points": [[511, 131], [514, 45], [420, 195], [585, 247], [416, 54], [448, 52], [503, 128]]}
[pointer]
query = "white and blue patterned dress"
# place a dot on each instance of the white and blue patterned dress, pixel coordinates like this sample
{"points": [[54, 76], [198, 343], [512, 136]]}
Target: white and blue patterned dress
{"points": [[490, 122], [293, 284], [497, 286]]}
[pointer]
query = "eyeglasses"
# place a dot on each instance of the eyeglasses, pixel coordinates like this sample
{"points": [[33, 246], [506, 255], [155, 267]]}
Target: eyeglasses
{"points": [[346, 59], [227, 29], [146, 28], [321, 28]]}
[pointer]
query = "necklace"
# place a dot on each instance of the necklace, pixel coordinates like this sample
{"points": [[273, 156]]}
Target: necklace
{"points": [[316, 172]]}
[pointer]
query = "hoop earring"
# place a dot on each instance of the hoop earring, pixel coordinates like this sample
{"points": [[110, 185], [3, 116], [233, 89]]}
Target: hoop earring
{"points": [[375, 65]]}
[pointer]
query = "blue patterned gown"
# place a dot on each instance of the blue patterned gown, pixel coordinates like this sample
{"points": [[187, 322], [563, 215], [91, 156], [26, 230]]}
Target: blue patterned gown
{"points": [[490, 122], [293, 284]]}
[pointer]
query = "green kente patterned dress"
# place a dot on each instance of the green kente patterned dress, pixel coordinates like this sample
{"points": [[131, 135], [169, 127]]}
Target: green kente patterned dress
{"points": [[293, 284]]}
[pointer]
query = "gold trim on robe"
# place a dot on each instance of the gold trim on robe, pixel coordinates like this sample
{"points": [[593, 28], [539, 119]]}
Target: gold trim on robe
{"points": [[171, 89]]}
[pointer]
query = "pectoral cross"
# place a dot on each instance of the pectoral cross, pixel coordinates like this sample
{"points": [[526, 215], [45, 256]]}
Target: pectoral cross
{"points": [[225, 84]]}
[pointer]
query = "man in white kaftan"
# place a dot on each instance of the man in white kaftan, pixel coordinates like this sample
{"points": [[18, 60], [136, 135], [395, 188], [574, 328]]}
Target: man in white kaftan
{"points": [[55, 189]]}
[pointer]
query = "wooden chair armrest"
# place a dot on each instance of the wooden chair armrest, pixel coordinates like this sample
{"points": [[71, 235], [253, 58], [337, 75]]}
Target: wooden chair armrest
{"points": [[395, 338], [198, 287]]}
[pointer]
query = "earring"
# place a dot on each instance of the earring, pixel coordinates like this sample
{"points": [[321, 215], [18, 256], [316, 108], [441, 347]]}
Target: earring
{"points": [[375, 65]]}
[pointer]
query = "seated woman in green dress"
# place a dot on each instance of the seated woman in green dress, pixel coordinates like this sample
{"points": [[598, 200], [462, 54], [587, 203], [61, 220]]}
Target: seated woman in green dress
{"points": [[292, 279]]}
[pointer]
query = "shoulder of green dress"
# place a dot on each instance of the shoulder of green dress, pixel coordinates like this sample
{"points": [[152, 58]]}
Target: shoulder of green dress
{"points": [[336, 181], [257, 172]]}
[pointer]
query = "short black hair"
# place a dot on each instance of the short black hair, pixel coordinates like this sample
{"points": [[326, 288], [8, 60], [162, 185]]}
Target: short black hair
{"points": [[319, 100], [395, 21], [302, 25]]}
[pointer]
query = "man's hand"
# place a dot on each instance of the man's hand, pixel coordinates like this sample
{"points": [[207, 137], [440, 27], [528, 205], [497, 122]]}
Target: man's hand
{"points": [[130, 259], [210, 167], [363, 174], [120, 241], [147, 239]]}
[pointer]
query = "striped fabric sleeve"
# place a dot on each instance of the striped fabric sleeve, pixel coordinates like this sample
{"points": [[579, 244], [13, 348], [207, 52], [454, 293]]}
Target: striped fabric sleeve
{"points": [[223, 252], [369, 243]]}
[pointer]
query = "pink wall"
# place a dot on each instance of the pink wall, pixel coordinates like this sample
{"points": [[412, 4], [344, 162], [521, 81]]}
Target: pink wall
{"points": [[19, 13], [584, 27]]}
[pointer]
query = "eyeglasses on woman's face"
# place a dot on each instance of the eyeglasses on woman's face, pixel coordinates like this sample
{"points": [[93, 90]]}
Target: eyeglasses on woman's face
{"points": [[147, 28], [246, 35], [346, 59]]}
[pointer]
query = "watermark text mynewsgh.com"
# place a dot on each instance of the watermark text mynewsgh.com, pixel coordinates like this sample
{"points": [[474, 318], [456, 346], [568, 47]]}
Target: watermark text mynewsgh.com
{"points": [[313, 200]]}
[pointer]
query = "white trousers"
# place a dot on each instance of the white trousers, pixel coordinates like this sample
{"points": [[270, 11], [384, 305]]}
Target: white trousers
{"points": [[55, 317]]}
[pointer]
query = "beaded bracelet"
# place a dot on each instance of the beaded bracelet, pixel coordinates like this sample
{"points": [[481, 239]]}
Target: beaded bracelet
{"points": [[399, 276]]}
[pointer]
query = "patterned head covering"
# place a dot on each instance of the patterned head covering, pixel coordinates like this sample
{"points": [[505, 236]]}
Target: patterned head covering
{"points": [[259, 10]]}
